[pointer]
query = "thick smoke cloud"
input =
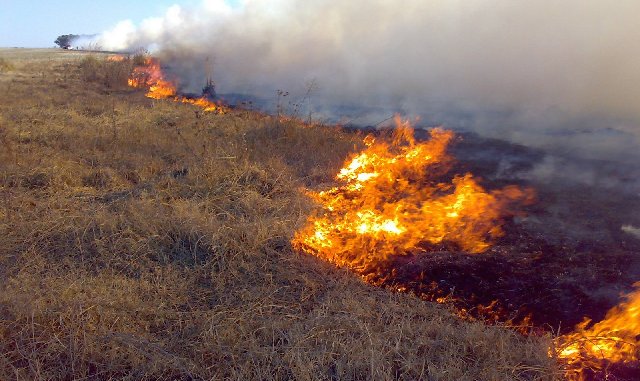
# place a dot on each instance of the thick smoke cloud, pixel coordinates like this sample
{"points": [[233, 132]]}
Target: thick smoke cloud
{"points": [[515, 69]]}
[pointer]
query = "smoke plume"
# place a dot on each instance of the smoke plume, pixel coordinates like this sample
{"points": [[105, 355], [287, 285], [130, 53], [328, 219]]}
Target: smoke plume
{"points": [[544, 73]]}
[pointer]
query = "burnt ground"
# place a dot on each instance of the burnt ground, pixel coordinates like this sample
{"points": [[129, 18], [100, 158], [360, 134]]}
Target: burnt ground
{"points": [[520, 278], [565, 259]]}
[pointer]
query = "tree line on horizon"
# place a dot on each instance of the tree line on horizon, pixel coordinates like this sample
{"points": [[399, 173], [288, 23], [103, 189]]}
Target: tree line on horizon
{"points": [[66, 41]]}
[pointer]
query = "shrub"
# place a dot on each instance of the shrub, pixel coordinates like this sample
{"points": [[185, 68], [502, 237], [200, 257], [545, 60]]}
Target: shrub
{"points": [[140, 59], [91, 68], [111, 74], [116, 74]]}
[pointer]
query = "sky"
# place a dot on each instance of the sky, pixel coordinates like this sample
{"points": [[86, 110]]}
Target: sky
{"points": [[36, 24]]}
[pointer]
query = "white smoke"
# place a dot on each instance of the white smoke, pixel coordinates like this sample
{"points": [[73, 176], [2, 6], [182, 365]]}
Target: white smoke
{"points": [[564, 59]]}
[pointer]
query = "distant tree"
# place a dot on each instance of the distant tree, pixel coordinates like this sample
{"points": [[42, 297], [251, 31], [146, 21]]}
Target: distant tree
{"points": [[65, 40]]}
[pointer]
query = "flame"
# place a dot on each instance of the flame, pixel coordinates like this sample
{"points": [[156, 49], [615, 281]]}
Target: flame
{"points": [[150, 76], [616, 339], [392, 199], [147, 75], [116, 58]]}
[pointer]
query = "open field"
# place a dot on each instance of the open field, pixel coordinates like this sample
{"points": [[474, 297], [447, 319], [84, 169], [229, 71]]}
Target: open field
{"points": [[145, 239]]}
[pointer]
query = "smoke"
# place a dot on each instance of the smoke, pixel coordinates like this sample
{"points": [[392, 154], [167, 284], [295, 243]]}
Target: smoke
{"points": [[634, 231], [527, 71]]}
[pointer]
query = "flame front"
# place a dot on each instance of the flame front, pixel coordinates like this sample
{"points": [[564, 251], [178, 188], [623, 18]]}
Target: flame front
{"points": [[616, 339], [392, 198], [150, 76]]}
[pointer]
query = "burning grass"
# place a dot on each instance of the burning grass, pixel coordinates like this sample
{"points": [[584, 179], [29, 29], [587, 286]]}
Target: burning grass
{"points": [[594, 347], [394, 198], [145, 240], [150, 76]]}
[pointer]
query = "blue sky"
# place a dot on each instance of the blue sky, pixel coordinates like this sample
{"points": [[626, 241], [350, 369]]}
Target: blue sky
{"points": [[38, 23]]}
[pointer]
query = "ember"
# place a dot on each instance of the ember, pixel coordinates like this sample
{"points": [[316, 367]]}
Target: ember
{"points": [[150, 76]]}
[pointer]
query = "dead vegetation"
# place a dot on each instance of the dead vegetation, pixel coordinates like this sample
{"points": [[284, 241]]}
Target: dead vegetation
{"points": [[143, 239], [5, 65]]}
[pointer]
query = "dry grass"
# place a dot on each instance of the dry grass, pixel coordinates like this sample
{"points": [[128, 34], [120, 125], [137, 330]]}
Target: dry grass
{"points": [[5, 65], [145, 240]]}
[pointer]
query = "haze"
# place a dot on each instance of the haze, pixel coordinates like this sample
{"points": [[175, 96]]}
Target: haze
{"points": [[496, 66]]}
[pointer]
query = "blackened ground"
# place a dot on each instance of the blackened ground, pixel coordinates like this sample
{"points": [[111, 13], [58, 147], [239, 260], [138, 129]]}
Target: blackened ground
{"points": [[565, 259], [568, 257], [520, 277], [617, 372]]}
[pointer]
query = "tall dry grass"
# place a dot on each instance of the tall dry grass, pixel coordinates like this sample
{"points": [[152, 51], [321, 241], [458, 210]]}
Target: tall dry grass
{"points": [[144, 240]]}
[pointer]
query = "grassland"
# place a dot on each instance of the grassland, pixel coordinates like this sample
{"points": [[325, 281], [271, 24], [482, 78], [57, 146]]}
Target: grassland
{"points": [[146, 240]]}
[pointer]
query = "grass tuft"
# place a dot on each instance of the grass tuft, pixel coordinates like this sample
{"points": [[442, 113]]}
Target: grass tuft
{"points": [[5, 65]]}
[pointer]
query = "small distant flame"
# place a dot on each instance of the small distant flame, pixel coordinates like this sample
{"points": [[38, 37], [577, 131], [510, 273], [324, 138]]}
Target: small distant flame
{"points": [[150, 76], [392, 198], [116, 58], [616, 339]]}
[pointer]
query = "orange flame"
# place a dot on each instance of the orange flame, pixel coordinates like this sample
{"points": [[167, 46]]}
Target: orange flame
{"points": [[116, 58], [391, 199], [616, 339], [150, 76]]}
